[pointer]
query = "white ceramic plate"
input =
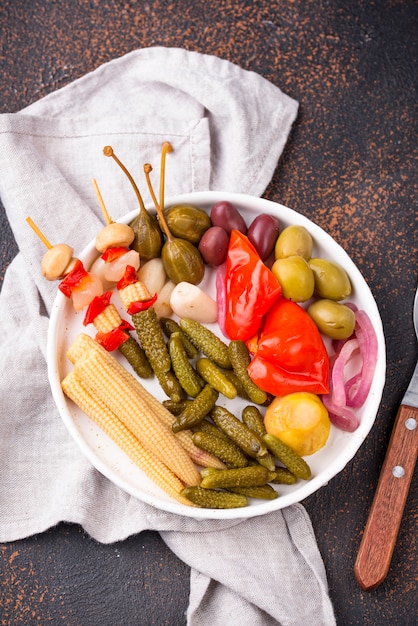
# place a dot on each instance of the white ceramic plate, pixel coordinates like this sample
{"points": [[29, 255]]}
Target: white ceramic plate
{"points": [[65, 324]]}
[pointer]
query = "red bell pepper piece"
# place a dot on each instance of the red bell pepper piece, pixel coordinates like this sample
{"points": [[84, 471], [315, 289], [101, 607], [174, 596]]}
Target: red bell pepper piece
{"points": [[290, 355], [128, 278], [141, 305], [250, 288], [114, 338], [97, 306], [111, 254], [73, 279]]}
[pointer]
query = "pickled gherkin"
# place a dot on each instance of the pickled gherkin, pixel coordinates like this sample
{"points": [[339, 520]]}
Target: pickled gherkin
{"points": [[284, 476], [136, 356], [176, 407], [212, 499], [262, 492], [196, 410], [288, 457], [207, 342], [233, 378], [170, 385], [225, 450], [214, 376], [169, 327], [187, 376], [246, 439], [252, 418], [240, 360], [251, 476], [152, 340], [208, 427]]}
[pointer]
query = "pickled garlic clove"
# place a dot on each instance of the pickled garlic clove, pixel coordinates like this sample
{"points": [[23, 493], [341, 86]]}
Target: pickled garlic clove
{"points": [[190, 301]]}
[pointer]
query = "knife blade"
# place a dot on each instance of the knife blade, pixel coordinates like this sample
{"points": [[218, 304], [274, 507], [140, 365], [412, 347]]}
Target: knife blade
{"points": [[380, 533]]}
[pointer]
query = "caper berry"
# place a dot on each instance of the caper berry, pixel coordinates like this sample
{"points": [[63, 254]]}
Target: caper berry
{"points": [[187, 221]]}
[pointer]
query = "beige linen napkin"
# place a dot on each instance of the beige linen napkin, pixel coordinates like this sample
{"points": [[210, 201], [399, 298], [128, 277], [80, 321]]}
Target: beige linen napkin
{"points": [[228, 128]]}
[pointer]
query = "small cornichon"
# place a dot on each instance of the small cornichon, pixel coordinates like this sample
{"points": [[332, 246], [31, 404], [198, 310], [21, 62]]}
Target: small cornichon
{"points": [[170, 385], [240, 360], [187, 376], [288, 457], [251, 476], [214, 376], [284, 476], [245, 438], [207, 342], [152, 340], [136, 356], [225, 450], [262, 492], [212, 499], [169, 327], [253, 419], [196, 410]]}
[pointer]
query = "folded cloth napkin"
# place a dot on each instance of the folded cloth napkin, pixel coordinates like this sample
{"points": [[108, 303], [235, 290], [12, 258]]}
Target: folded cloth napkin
{"points": [[228, 128]]}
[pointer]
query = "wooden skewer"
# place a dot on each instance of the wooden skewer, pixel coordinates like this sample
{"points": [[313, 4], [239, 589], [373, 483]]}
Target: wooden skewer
{"points": [[39, 233], [106, 215]]}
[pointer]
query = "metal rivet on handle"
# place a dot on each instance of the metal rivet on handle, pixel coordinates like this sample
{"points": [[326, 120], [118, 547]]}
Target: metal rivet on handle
{"points": [[411, 423], [398, 471]]}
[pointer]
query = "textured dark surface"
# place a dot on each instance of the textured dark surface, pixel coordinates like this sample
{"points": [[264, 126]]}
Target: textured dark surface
{"points": [[350, 165]]}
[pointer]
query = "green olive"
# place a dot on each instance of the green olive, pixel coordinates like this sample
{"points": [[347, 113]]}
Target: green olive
{"points": [[182, 261], [333, 319], [295, 277], [331, 280], [294, 241], [187, 221]]}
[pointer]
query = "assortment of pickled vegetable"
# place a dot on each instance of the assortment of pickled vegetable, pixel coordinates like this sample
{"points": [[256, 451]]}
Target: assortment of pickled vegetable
{"points": [[275, 303]]}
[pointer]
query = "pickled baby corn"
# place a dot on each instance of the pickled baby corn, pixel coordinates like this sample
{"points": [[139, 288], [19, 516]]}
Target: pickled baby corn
{"points": [[97, 411], [122, 393], [84, 344]]}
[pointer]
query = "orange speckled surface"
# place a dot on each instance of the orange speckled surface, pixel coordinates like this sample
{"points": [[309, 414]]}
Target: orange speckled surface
{"points": [[349, 165]]}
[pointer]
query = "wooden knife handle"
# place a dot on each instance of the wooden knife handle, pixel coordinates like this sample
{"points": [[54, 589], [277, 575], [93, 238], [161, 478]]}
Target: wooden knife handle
{"points": [[379, 538]]}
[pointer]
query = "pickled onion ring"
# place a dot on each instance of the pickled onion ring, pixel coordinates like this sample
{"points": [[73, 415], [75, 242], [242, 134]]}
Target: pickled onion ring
{"points": [[369, 349], [337, 372], [344, 396], [342, 417]]}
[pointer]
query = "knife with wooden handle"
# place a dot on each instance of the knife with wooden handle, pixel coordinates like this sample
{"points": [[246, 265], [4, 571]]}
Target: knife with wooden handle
{"points": [[379, 537]]}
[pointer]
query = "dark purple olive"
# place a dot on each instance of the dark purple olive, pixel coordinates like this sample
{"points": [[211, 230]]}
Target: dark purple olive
{"points": [[225, 215], [213, 245], [263, 233]]}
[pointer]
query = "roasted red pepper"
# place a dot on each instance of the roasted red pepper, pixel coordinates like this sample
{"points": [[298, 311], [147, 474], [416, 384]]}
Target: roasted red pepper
{"points": [[74, 279], [250, 288], [97, 306], [290, 354], [111, 254]]}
